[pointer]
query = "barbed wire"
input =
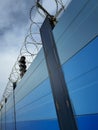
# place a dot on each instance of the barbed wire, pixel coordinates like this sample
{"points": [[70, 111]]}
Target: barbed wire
{"points": [[32, 41]]}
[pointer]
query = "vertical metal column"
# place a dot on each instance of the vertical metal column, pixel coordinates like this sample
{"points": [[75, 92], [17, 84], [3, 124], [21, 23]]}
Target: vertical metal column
{"points": [[1, 117], [5, 112], [59, 88], [14, 86]]}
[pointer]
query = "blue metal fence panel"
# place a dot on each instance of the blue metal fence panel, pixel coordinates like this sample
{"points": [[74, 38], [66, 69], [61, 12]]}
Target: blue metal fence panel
{"points": [[77, 44], [78, 29], [34, 102], [34, 105]]}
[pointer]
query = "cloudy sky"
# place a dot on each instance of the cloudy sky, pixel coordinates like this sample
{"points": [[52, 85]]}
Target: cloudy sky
{"points": [[14, 23]]}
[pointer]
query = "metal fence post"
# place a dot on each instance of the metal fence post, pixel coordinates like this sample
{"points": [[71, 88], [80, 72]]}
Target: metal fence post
{"points": [[14, 86], [61, 97]]}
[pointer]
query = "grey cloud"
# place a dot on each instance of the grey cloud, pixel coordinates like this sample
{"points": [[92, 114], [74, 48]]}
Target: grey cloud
{"points": [[14, 18], [14, 23], [14, 13]]}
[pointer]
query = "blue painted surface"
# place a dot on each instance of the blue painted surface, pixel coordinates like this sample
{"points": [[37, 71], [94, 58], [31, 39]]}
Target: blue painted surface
{"points": [[82, 62], [10, 119], [87, 122], [35, 110], [81, 75], [76, 28], [38, 104], [10, 126], [38, 125], [3, 118], [38, 107], [40, 91]]}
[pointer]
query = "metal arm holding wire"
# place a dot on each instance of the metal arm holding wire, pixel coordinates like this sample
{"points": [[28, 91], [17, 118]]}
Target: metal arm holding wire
{"points": [[51, 17]]}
